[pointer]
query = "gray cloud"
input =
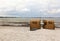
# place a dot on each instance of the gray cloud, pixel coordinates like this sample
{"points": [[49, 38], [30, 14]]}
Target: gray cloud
{"points": [[32, 8]]}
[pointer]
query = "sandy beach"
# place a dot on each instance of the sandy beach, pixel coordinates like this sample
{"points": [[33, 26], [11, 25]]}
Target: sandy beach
{"points": [[9, 33]]}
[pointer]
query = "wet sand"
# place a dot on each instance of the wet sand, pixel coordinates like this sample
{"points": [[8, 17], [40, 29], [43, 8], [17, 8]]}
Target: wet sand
{"points": [[9, 33]]}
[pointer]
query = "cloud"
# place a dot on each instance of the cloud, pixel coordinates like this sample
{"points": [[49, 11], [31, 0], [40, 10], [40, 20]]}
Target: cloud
{"points": [[25, 9], [29, 7], [6, 6], [54, 11]]}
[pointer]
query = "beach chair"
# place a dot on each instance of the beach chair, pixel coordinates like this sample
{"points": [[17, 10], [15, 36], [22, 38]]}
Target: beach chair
{"points": [[48, 24], [35, 24]]}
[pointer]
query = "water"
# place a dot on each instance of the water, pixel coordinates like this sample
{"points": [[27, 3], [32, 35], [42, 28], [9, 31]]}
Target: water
{"points": [[27, 19]]}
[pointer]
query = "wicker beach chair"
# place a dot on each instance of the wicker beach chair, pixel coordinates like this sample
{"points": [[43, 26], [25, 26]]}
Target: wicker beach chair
{"points": [[35, 24], [48, 24]]}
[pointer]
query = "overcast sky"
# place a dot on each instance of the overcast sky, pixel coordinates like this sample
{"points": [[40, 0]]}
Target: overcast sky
{"points": [[30, 8]]}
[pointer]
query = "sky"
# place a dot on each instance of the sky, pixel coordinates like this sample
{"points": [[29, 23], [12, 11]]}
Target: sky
{"points": [[30, 8]]}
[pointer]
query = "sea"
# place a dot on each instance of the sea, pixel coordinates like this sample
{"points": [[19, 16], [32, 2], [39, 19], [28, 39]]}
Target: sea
{"points": [[27, 19]]}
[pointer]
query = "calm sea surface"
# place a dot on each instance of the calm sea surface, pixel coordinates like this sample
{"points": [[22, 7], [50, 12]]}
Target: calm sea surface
{"points": [[56, 19], [27, 19]]}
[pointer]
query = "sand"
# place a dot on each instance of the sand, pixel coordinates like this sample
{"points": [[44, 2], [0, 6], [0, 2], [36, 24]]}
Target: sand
{"points": [[8, 33]]}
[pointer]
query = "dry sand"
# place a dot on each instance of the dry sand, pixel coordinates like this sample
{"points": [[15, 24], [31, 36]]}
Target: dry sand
{"points": [[24, 34]]}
